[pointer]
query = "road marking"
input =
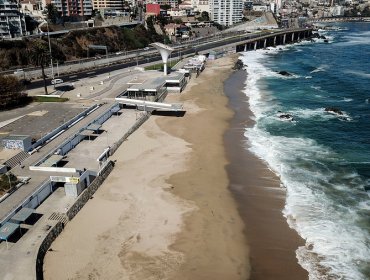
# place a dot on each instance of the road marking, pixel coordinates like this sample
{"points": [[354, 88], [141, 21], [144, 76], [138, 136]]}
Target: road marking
{"points": [[93, 72], [74, 76]]}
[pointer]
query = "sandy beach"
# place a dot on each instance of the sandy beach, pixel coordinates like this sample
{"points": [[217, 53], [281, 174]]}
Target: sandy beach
{"points": [[165, 211]]}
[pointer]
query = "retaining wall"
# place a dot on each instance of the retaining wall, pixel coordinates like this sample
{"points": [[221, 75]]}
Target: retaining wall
{"points": [[71, 213]]}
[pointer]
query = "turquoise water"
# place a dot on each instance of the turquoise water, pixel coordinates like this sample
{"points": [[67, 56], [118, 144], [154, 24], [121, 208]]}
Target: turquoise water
{"points": [[323, 159]]}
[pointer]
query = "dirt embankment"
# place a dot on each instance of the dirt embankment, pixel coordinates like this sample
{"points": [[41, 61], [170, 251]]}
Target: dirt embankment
{"points": [[74, 45]]}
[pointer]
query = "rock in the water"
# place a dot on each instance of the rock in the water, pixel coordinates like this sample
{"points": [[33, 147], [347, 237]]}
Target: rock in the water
{"points": [[333, 110], [285, 116], [238, 65], [284, 73]]}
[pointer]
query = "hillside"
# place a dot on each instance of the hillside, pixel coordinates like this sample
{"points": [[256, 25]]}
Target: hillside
{"points": [[74, 45]]}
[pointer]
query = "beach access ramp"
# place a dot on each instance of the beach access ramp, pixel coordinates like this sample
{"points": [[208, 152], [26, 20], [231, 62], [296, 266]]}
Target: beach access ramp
{"points": [[150, 105]]}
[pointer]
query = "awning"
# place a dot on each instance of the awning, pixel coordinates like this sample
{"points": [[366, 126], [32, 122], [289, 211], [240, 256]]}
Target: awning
{"points": [[87, 133], [22, 215], [7, 230], [54, 159], [94, 127]]}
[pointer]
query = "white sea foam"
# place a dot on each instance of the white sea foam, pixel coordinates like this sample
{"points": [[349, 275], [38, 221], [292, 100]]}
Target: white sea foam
{"points": [[357, 73], [335, 245], [321, 68], [356, 39]]}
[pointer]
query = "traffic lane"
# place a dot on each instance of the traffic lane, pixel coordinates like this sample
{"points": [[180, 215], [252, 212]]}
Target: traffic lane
{"points": [[73, 77]]}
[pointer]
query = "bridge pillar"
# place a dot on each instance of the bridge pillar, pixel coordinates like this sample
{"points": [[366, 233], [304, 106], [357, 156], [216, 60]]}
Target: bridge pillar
{"points": [[255, 45], [245, 47], [284, 38], [274, 41], [264, 44], [293, 37]]}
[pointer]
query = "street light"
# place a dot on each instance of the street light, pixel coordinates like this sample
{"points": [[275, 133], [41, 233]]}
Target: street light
{"points": [[51, 58]]}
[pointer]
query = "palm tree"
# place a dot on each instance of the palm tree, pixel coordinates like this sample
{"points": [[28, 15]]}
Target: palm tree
{"points": [[38, 54]]}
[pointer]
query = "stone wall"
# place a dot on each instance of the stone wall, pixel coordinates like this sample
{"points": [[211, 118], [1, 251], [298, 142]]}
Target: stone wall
{"points": [[44, 247], [138, 123], [89, 191]]}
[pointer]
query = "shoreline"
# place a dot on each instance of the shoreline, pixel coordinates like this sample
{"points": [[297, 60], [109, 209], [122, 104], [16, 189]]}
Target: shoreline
{"points": [[260, 198]]}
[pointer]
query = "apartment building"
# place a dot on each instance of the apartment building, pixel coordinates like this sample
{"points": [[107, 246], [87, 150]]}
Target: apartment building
{"points": [[12, 23], [172, 3], [226, 12], [73, 7], [200, 5], [108, 5]]}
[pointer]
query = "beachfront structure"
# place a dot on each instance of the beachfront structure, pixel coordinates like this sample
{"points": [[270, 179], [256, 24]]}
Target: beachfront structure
{"points": [[12, 23], [165, 52], [150, 90], [17, 142], [156, 89], [226, 12], [175, 82], [195, 64]]}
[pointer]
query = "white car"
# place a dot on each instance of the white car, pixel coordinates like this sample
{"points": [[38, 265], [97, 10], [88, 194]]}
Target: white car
{"points": [[56, 81], [18, 71]]}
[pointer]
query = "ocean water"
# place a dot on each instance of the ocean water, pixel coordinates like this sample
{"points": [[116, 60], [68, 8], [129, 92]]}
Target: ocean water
{"points": [[322, 159]]}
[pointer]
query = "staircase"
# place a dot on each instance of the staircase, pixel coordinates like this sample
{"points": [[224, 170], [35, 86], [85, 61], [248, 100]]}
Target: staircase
{"points": [[61, 217], [15, 160]]}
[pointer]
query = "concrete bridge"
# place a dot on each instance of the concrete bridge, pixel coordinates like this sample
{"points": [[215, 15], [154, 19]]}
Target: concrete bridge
{"points": [[274, 39], [247, 42]]}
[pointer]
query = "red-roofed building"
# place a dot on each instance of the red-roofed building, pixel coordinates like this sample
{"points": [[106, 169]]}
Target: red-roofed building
{"points": [[153, 9]]}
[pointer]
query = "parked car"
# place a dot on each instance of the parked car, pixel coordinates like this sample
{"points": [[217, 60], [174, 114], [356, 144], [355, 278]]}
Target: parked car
{"points": [[56, 81], [146, 48], [119, 53], [19, 72]]}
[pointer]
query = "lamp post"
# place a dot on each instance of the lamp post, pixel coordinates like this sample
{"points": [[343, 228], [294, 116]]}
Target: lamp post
{"points": [[106, 132], [51, 58]]}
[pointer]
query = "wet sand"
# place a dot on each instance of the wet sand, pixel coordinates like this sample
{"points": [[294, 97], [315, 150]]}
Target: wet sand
{"points": [[259, 196]]}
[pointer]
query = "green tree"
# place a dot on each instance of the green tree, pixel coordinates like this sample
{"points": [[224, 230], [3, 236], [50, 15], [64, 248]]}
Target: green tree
{"points": [[39, 55], [205, 16], [11, 91], [52, 13]]}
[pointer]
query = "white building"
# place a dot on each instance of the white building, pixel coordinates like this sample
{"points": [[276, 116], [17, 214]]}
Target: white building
{"points": [[226, 12], [203, 6], [337, 11], [12, 23]]}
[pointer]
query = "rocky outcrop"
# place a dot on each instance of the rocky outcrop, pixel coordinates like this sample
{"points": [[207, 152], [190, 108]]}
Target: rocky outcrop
{"points": [[285, 116], [238, 65], [284, 73], [334, 110]]}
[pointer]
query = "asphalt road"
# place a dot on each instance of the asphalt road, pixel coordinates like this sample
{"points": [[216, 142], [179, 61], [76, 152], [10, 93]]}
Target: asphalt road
{"points": [[148, 57]]}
